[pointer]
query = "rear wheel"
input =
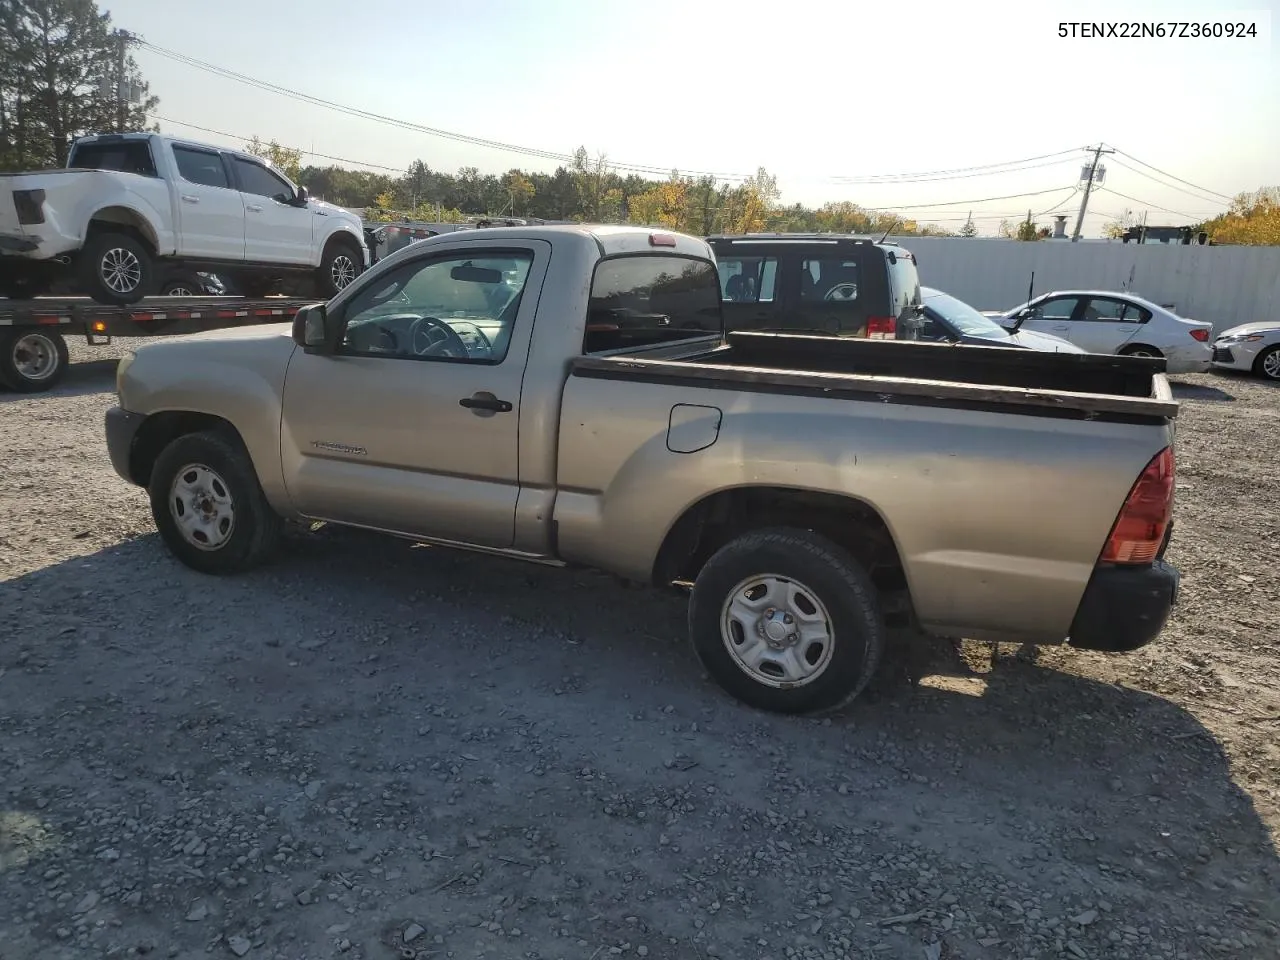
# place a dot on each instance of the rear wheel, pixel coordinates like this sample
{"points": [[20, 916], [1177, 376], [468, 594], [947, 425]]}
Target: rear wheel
{"points": [[32, 360], [785, 620], [116, 268], [1267, 365], [1141, 350], [182, 286], [209, 507]]}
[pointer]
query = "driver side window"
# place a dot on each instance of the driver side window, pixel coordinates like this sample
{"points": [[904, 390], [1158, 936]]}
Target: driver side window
{"points": [[456, 308]]}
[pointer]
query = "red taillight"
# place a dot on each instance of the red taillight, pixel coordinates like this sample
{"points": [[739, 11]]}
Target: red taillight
{"points": [[661, 240], [1139, 529], [1200, 334], [882, 328]]}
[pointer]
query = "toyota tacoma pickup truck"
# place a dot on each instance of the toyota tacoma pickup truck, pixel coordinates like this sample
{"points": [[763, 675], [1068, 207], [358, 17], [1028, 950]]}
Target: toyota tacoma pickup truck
{"points": [[551, 394], [130, 208]]}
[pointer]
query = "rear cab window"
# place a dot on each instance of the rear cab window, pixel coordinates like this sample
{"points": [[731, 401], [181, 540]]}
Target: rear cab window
{"points": [[122, 156], [651, 299]]}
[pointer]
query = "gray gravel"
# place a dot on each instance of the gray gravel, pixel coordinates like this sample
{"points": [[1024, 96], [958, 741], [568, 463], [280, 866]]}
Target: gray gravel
{"points": [[369, 750]]}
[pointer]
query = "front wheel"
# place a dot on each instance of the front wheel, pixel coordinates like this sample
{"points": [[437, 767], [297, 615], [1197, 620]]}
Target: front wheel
{"points": [[116, 268], [209, 507], [785, 620], [32, 360], [339, 268], [1267, 365]]}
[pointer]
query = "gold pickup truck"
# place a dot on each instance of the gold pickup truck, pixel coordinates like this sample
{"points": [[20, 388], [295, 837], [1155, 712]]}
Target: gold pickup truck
{"points": [[566, 395]]}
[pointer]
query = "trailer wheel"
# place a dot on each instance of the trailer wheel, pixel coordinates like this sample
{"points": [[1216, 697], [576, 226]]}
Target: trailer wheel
{"points": [[116, 268], [339, 267], [208, 505], [32, 360]]}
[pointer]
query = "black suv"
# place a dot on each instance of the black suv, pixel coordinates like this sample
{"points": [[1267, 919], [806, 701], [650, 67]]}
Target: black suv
{"points": [[817, 283]]}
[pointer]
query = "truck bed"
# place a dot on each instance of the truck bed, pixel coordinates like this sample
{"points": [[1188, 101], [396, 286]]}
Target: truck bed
{"points": [[1076, 386]]}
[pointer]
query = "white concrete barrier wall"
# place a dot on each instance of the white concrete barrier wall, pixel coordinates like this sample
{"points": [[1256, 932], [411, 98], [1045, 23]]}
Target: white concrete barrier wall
{"points": [[1224, 286]]}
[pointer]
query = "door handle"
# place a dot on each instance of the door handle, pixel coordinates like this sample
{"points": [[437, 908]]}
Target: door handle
{"points": [[485, 402], [187, 198], [254, 208]]}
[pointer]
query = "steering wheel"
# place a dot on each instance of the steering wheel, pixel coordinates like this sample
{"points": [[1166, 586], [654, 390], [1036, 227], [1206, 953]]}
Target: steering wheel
{"points": [[842, 291], [424, 343]]}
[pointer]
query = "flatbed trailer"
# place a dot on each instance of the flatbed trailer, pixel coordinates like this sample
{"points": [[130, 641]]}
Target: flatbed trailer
{"points": [[33, 347]]}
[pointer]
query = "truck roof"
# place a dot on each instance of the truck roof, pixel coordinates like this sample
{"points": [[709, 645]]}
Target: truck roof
{"points": [[145, 135], [609, 240]]}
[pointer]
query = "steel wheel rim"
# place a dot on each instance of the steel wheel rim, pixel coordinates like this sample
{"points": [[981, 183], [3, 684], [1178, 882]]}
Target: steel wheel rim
{"points": [[121, 270], [1271, 365], [343, 270], [201, 506], [35, 357], [777, 631]]}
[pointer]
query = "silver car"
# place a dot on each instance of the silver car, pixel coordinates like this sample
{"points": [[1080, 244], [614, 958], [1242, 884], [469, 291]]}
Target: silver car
{"points": [[1253, 347]]}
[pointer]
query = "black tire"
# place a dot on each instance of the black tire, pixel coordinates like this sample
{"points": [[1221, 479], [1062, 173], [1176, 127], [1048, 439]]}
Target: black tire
{"points": [[32, 359], [254, 531], [1260, 364], [135, 278], [336, 254], [183, 285], [255, 288], [823, 569]]}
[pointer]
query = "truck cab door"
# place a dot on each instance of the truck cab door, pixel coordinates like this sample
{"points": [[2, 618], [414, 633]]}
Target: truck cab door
{"points": [[207, 209], [275, 229], [412, 425]]}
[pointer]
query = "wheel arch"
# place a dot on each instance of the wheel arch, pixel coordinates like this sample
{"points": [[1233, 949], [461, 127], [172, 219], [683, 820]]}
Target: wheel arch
{"points": [[162, 428], [128, 221], [711, 522]]}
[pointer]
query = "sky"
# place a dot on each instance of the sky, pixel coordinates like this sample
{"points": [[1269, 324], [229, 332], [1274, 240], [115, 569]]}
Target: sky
{"points": [[821, 94]]}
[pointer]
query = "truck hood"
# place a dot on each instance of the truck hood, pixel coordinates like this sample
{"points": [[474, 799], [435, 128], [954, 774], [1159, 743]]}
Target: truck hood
{"points": [[193, 372], [338, 213]]}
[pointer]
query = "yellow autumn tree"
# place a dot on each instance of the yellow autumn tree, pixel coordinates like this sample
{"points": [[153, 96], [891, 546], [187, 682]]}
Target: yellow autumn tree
{"points": [[665, 205], [1252, 219]]}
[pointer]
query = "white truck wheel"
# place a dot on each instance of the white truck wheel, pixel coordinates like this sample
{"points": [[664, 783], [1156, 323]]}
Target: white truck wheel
{"points": [[32, 360]]}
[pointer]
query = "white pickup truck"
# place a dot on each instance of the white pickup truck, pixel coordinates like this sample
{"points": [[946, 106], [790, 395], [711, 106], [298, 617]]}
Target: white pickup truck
{"points": [[130, 206]]}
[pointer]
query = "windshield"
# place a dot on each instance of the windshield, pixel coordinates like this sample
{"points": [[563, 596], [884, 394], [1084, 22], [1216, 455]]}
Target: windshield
{"points": [[963, 317]]}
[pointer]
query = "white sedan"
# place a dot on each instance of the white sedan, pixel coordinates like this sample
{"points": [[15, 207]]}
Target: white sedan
{"points": [[1101, 321], [1254, 347]]}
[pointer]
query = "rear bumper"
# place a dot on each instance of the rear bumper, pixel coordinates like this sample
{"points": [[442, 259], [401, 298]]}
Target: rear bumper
{"points": [[1124, 608], [122, 427]]}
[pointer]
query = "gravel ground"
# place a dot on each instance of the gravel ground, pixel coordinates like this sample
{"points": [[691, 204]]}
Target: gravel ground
{"points": [[370, 750]]}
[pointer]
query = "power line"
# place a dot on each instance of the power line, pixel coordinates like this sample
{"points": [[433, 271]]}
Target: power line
{"points": [[1145, 203], [407, 125], [1172, 177], [1166, 185], [959, 173], [957, 203], [1011, 166], [307, 153]]}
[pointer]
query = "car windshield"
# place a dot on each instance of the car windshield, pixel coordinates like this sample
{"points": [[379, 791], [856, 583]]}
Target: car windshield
{"points": [[963, 317]]}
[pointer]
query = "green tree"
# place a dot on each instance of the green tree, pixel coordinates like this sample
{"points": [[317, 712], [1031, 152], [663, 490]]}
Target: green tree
{"points": [[969, 230], [62, 67], [521, 190], [285, 159]]}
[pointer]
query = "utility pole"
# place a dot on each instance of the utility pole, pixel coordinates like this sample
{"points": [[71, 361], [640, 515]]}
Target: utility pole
{"points": [[123, 91], [1092, 170]]}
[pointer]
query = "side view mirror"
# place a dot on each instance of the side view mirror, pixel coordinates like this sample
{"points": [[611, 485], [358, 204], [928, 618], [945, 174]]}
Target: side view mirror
{"points": [[311, 329], [302, 196]]}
